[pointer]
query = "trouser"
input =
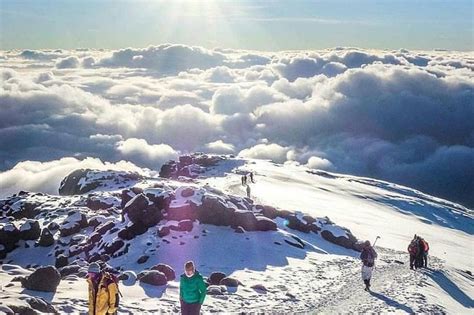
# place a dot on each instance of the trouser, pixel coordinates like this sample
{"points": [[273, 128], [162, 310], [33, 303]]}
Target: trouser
{"points": [[412, 261], [367, 272], [419, 260], [425, 259], [190, 308]]}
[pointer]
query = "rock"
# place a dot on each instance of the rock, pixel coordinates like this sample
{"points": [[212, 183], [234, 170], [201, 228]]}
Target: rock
{"points": [[9, 237], [152, 277], [97, 203], [347, 241], [128, 277], [43, 279], [166, 270], [216, 290], [26, 209], [41, 305], [73, 223], [30, 230], [61, 261], [268, 211], [259, 287], [143, 259], [245, 219], [53, 226], [112, 247], [185, 225], [46, 238], [168, 169], [296, 224], [69, 270], [130, 231], [216, 277], [141, 212], [295, 244], [22, 309], [230, 282], [186, 211], [164, 231], [265, 224], [82, 181], [239, 230], [213, 210]]}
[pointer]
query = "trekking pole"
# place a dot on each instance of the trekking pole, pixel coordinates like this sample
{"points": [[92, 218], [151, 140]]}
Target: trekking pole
{"points": [[376, 240]]}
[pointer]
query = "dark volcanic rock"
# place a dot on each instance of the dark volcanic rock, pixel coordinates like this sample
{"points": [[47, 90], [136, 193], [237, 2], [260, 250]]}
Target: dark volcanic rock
{"points": [[43, 279]]}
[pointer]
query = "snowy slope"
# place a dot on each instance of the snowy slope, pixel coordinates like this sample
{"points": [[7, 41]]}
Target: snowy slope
{"points": [[275, 276]]}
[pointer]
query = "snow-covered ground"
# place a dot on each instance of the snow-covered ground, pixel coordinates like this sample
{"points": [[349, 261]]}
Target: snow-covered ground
{"points": [[276, 277]]}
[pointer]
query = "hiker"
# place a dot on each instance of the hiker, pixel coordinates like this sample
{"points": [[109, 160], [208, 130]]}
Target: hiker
{"points": [[413, 251], [103, 291], [192, 290], [425, 247], [419, 253], [248, 191], [368, 257], [251, 177], [244, 180]]}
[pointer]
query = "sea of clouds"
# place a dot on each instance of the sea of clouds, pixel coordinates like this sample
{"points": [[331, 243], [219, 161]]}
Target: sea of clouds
{"points": [[402, 116]]}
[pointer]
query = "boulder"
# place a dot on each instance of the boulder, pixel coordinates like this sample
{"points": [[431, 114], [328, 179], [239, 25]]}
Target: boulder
{"points": [[245, 219], [230, 282], [73, 223], [186, 211], [46, 238], [214, 210], [39, 304], [9, 236], [216, 277], [142, 212], [30, 230], [43, 279], [69, 270], [164, 231], [265, 224], [345, 239], [216, 290], [61, 261], [295, 223], [166, 270], [153, 277], [268, 211]]}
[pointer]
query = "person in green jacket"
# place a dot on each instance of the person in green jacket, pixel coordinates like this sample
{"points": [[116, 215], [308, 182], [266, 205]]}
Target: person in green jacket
{"points": [[192, 290]]}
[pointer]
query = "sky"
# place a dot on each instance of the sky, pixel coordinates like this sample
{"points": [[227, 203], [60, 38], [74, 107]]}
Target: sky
{"points": [[241, 24], [381, 89]]}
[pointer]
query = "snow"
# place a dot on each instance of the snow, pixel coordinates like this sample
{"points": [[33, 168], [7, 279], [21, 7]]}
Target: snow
{"points": [[322, 276]]}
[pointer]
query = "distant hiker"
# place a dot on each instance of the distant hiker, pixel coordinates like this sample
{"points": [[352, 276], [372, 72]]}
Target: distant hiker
{"points": [[192, 290], [413, 251], [251, 177], [425, 247], [103, 291], [368, 257], [248, 191], [244, 180]]}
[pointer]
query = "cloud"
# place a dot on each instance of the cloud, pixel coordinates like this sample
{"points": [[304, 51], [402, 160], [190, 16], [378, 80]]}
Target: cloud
{"points": [[402, 116], [146, 154], [68, 62], [272, 151]]}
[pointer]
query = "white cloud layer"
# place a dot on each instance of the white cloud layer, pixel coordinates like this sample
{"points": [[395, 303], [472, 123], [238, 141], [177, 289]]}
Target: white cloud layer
{"points": [[403, 116]]}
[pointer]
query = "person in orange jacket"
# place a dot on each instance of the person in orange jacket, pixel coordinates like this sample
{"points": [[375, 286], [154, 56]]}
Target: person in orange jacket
{"points": [[103, 291]]}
